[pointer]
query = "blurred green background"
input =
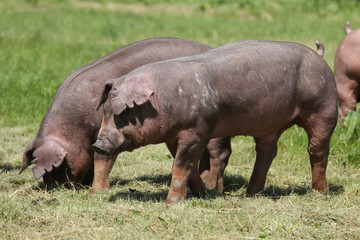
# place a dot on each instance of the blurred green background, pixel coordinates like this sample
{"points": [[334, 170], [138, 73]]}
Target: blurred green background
{"points": [[42, 42]]}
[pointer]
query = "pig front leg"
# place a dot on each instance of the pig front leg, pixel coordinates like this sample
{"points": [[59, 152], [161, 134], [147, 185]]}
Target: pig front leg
{"points": [[185, 168], [212, 172], [102, 167]]}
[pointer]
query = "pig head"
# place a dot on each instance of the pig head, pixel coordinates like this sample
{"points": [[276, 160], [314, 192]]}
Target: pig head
{"points": [[130, 123], [52, 160]]}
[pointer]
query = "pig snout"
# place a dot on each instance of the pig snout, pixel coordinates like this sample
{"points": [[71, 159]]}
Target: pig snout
{"points": [[109, 143], [101, 147]]}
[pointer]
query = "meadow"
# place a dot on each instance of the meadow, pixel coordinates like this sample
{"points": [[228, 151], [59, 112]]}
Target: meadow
{"points": [[42, 42]]}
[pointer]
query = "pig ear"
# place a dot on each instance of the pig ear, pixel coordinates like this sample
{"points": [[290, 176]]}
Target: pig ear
{"points": [[104, 93], [27, 155], [47, 157], [129, 96]]}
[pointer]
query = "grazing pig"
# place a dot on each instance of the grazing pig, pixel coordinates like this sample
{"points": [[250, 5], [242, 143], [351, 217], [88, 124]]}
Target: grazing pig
{"points": [[61, 151], [253, 88], [347, 71]]}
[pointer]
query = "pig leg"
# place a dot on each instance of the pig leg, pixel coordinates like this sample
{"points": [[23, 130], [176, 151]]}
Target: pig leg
{"points": [[194, 184], [204, 167], [347, 90], [212, 173], [184, 170], [319, 130], [102, 167], [266, 149]]}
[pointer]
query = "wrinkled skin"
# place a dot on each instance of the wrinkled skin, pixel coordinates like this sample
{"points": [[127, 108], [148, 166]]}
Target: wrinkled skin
{"points": [[61, 151], [253, 88], [347, 71]]}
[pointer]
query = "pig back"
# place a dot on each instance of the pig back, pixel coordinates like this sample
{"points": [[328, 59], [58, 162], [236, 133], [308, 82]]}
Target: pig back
{"points": [[73, 107], [269, 83], [261, 84]]}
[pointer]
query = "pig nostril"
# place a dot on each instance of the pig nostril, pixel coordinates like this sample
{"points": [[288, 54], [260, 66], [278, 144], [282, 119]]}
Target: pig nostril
{"points": [[110, 142]]}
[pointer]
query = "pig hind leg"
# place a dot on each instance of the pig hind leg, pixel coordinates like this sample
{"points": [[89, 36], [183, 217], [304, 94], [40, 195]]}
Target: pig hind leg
{"points": [[213, 163], [348, 92], [319, 130], [266, 149]]}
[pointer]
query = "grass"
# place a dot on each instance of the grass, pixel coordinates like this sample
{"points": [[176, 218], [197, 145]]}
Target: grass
{"points": [[44, 41]]}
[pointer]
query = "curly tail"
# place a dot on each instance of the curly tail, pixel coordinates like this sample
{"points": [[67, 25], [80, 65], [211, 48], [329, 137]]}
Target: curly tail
{"points": [[347, 27], [320, 48]]}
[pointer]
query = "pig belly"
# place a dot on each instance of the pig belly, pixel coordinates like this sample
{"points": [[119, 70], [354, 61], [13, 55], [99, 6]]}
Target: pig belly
{"points": [[253, 124]]}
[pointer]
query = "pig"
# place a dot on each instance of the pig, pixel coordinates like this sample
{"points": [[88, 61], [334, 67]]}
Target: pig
{"points": [[252, 88], [347, 71], [61, 150]]}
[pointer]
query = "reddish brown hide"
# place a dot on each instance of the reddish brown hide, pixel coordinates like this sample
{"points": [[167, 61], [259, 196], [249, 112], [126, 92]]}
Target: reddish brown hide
{"points": [[347, 71]]}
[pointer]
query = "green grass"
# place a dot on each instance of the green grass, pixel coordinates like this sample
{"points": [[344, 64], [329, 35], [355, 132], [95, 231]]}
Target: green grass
{"points": [[41, 42]]}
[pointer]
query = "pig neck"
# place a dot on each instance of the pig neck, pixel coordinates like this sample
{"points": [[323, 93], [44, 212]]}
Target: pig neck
{"points": [[64, 132], [150, 132]]}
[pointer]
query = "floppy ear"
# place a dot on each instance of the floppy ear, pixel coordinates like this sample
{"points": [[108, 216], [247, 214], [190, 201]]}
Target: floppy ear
{"points": [[104, 93], [129, 95], [27, 155], [49, 155]]}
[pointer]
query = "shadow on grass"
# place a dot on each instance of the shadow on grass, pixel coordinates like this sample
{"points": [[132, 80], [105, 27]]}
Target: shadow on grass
{"points": [[118, 182], [156, 179], [275, 192], [8, 167], [145, 196], [336, 189], [152, 179], [232, 184], [40, 186]]}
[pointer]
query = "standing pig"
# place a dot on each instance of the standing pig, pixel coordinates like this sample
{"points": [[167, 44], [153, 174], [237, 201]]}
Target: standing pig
{"points": [[254, 88], [61, 151], [347, 71]]}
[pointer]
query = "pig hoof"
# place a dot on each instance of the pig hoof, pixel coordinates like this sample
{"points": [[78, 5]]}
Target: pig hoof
{"points": [[174, 199], [253, 193], [96, 190]]}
